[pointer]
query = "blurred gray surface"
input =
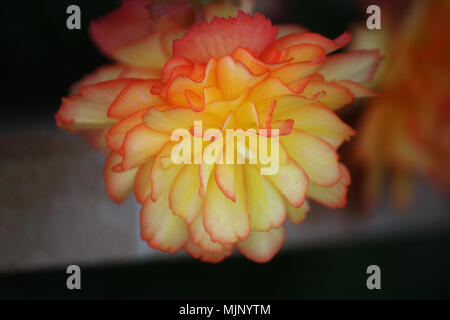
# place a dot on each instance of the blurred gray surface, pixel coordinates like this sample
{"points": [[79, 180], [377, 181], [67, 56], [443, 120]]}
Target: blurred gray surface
{"points": [[54, 209]]}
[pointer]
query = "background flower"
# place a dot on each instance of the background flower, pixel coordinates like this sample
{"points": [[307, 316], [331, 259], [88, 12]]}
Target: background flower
{"points": [[405, 133]]}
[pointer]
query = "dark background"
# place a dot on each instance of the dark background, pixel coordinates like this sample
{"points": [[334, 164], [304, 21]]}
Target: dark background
{"points": [[41, 58]]}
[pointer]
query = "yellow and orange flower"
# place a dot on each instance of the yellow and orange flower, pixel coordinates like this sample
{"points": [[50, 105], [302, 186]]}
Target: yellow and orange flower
{"points": [[229, 73], [406, 133]]}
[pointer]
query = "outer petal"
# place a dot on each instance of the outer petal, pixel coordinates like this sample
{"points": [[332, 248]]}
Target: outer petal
{"points": [[88, 110], [184, 199], [356, 65], [262, 246], [265, 204], [160, 228], [226, 221], [221, 36], [334, 196], [152, 51], [317, 157], [118, 184]]}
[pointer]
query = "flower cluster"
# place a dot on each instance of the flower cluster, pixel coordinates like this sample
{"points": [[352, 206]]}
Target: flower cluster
{"points": [[228, 73]]}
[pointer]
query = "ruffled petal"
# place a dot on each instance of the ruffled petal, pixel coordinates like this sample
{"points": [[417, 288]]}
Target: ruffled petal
{"points": [[222, 36]]}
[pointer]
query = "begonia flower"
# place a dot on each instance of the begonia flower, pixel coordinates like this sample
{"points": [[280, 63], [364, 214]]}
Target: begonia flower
{"points": [[229, 73]]}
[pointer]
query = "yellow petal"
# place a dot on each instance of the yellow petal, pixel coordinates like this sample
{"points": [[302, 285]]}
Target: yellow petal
{"points": [[262, 246], [291, 181], [334, 196], [316, 156], [297, 215], [118, 184], [184, 198], [226, 221], [265, 204], [160, 227]]}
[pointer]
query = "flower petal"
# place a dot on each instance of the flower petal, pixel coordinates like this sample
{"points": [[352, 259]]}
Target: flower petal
{"points": [[336, 96], [116, 134], [184, 199], [291, 40], [201, 238], [142, 182], [118, 184], [262, 246], [160, 227], [314, 155], [135, 97], [226, 221], [356, 65], [291, 181], [101, 74], [317, 119], [140, 144], [205, 256], [297, 215], [88, 110], [265, 204], [222, 36], [225, 179], [233, 78], [334, 196], [162, 177]]}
